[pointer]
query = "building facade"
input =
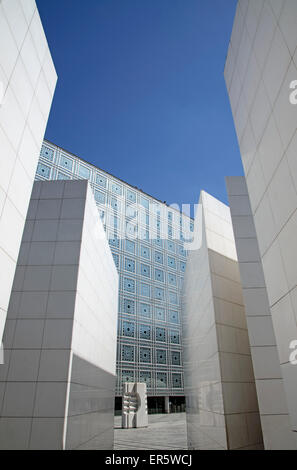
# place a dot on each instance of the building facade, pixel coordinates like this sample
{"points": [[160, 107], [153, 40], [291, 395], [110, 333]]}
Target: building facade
{"points": [[27, 84], [261, 78], [146, 238]]}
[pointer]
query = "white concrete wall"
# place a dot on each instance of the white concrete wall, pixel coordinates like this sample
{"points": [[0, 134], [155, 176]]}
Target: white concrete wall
{"points": [[275, 421], [27, 80], [92, 328], [222, 408], [94, 337], [261, 65], [57, 382]]}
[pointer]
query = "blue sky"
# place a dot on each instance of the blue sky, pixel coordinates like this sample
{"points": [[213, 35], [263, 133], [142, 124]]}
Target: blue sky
{"points": [[141, 91]]}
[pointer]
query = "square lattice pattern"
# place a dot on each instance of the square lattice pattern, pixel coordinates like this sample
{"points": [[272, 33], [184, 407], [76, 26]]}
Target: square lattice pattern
{"points": [[151, 264]]}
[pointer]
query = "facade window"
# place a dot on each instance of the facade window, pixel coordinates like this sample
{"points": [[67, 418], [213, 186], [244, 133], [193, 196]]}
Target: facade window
{"points": [[130, 265], [160, 334], [145, 354], [129, 329], [129, 306], [130, 246], [159, 293], [62, 176], [170, 216], [161, 379], [84, 172], [114, 242], [172, 279], [131, 229], [143, 218], [171, 262], [43, 170], [129, 284], [99, 197], [101, 180], [144, 234], [115, 204], [160, 313], [145, 310], [47, 153], [145, 252], [170, 246], [158, 257], [145, 290], [175, 358], [131, 196], [144, 202], [173, 316], [176, 381], [131, 211], [158, 242], [145, 270], [161, 356], [127, 353], [174, 337], [116, 259], [159, 275], [182, 251], [114, 221], [127, 376], [66, 162], [145, 331], [173, 298], [183, 266], [116, 188], [145, 376]]}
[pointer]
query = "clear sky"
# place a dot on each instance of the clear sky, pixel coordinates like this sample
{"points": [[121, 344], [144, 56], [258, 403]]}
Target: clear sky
{"points": [[141, 91]]}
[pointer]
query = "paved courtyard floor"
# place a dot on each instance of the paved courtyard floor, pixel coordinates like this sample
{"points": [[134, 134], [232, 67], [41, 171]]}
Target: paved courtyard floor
{"points": [[165, 432]]}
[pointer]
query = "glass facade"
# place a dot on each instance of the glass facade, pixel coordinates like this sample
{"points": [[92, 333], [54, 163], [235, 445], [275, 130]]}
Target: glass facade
{"points": [[146, 239]]}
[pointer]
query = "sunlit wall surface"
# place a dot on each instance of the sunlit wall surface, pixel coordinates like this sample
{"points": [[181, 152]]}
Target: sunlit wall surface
{"points": [[58, 379], [222, 407], [272, 401], [261, 78], [146, 238], [27, 83]]}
